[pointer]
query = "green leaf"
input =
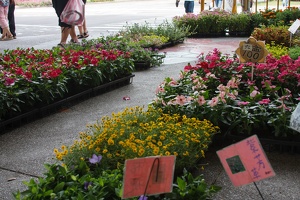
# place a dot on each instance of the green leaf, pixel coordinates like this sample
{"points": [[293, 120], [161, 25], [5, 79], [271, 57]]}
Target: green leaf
{"points": [[59, 187], [181, 184]]}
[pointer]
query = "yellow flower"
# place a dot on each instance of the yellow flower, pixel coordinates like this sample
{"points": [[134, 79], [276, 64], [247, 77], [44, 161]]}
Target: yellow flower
{"points": [[97, 149], [156, 151], [159, 143], [141, 152], [104, 151], [110, 142], [55, 151], [167, 153]]}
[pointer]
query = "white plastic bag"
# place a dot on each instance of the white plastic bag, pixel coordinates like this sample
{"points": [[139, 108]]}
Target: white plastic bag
{"points": [[73, 13]]}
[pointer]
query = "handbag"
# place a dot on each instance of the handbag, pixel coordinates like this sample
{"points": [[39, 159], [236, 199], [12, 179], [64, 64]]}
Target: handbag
{"points": [[4, 3], [73, 13]]}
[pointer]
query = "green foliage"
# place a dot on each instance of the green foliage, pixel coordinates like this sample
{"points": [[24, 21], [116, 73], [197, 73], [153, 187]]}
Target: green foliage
{"points": [[239, 22], [287, 16], [257, 20], [165, 30], [294, 52], [205, 23], [189, 187], [277, 50], [76, 182], [135, 133], [277, 34]]}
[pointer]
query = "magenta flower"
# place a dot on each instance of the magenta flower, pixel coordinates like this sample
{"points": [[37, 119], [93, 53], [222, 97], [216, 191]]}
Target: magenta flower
{"points": [[265, 101]]}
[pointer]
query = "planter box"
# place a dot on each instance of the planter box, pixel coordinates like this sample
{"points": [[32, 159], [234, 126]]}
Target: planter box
{"points": [[142, 65], [45, 110]]}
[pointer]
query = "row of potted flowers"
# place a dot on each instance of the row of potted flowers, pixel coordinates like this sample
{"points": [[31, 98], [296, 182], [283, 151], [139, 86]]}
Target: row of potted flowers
{"points": [[218, 22], [32, 78], [241, 99]]}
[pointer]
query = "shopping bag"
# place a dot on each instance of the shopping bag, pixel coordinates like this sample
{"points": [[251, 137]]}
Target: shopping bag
{"points": [[73, 13]]}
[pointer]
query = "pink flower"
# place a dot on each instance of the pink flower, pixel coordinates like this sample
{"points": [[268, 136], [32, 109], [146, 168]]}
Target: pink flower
{"points": [[159, 89], [264, 101], [254, 93], [201, 100], [180, 99], [243, 103], [9, 81], [214, 101]]}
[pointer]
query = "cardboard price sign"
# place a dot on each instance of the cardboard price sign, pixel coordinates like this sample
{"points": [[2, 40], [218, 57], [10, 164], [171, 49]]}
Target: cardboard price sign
{"points": [[252, 51], [147, 176], [245, 162]]}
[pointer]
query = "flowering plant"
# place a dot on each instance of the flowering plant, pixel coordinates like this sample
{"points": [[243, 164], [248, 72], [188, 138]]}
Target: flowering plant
{"points": [[206, 22], [30, 77], [234, 97], [137, 133]]}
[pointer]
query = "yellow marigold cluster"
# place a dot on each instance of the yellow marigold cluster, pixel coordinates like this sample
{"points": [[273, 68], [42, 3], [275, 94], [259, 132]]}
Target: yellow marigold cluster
{"points": [[137, 133]]}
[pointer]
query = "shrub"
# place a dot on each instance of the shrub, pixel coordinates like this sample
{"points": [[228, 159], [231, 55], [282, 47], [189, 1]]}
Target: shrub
{"points": [[239, 22], [229, 95], [135, 133], [277, 50], [277, 34], [294, 52]]}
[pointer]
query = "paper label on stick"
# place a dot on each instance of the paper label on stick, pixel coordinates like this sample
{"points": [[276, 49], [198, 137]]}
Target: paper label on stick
{"points": [[245, 162], [150, 175]]}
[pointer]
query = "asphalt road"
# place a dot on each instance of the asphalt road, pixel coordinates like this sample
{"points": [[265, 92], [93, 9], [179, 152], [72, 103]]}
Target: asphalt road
{"points": [[38, 27]]}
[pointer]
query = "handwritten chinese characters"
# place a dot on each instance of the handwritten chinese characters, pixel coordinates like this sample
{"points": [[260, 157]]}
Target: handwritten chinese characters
{"points": [[252, 51], [245, 162]]}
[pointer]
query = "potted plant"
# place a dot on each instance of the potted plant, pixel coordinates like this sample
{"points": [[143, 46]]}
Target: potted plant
{"points": [[221, 90], [239, 25]]}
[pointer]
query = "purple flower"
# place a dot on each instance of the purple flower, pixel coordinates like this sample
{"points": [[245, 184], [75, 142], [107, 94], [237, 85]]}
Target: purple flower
{"points": [[86, 185], [95, 159], [143, 197]]}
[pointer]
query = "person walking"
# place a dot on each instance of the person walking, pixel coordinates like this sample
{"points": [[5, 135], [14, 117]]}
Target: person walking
{"points": [[66, 29], [6, 34], [189, 6], [11, 19], [83, 32]]}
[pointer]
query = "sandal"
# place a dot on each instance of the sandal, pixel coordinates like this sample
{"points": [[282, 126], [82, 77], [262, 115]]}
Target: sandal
{"points": [[86, 34], [80, 36], [74, 42], [61, 46]]}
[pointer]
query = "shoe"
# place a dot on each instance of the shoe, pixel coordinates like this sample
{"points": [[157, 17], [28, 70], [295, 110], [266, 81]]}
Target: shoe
{"points": [[62, 46], [15, 37], [80, 36], [86, 34], [73, 42]]}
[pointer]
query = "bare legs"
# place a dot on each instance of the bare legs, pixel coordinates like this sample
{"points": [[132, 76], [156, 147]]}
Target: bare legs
{"points": [[65, 32]]}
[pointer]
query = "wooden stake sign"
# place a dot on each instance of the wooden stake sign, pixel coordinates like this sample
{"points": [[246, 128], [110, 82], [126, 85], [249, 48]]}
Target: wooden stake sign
{"points": [[252, 51], [148, 176], [245, 162]]}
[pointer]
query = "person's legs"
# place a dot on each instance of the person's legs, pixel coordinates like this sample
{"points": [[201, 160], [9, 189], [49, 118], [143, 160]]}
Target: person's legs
{"points": [[74, 38], [189, 6], [6, 34], [65, 32], [11, 19]]}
